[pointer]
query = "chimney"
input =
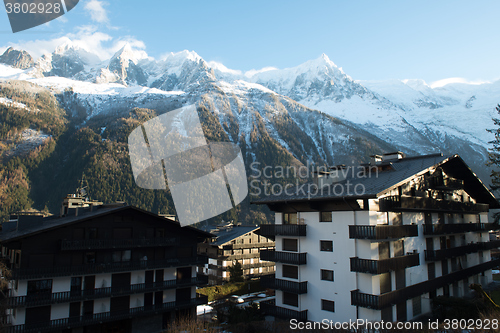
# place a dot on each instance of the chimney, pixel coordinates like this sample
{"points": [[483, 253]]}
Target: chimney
{"points": [[394, 156], [326, 178], [398, 155]]}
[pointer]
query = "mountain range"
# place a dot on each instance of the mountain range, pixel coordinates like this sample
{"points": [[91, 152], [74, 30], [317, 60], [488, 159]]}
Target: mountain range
{"points": [[313, 112]]}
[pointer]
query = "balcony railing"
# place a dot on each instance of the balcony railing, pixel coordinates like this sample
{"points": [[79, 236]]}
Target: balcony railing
{"points": [[270, 281], [436, 255], [270, 308], [397, 296], [245, 266], [449, 183], [284, 257], [488, 226], [78, 295], [382, 231], [90, 244], [494, 244], [384, 265], [283, 229], [248, 246], [33, 273], [98, 318], [455, 228], [397, 203], [241, 256]]}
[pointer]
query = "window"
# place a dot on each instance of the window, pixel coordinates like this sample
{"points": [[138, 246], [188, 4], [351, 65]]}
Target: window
{"points": [[327, 305], [326, 275], [431, 271], [122, 256], [291, 271], [326, 245], [290, 244], [160, 233], [93, 233], [290, 299], [289, 218], [39, 287], [325, 216], [90, 257], [122, 233], [417, 305]]}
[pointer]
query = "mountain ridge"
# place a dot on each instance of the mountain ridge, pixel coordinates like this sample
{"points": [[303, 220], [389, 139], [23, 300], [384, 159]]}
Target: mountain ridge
{"points": [[401, 113]]}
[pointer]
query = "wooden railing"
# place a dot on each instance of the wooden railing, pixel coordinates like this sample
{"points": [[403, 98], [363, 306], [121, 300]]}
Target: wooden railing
{"points": [[284, 257], [384, 265]]}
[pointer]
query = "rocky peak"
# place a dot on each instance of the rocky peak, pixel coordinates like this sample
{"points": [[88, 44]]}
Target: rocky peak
{"points": [[17, 59]]}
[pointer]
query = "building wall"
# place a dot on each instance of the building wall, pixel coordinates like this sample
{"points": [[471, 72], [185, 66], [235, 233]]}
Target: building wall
{"points": [[102, 305], [345, 248]]}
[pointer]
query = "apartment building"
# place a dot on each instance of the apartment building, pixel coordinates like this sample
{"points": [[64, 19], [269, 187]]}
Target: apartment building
{"points": [[235, 243], [100, 268], [410, 229]]}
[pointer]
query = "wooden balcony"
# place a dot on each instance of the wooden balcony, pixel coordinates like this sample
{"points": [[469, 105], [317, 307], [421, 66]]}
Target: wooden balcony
{"points": [[284, 257], [382, 231], [99, 318], [79, 295], [96, 244], [397, 204], [379, 302], [446, 184], [271, 282], [248, 246], [114, 267], [455, 228], [283, 229], [270, 309], [384, 265]]}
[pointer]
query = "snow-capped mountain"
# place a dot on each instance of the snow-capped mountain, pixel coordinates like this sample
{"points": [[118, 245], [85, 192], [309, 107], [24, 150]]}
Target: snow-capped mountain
{"points": [[408, 115]]}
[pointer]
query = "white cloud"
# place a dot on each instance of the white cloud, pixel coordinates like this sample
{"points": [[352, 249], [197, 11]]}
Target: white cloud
{"points": [[252, 72], [97, 11], [442, 83], [87, 38], [219, 66], [62, 19]]}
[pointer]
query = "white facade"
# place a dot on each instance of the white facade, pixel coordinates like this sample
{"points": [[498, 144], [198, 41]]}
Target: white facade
{"points": [[345, 280], [101, 304]]}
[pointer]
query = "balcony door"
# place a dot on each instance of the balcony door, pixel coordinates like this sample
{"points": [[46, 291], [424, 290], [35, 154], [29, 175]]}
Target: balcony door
{"points": [[120, 305], [89, 284], [37, 317], [149, 279], [183, 295], [159, 277], [183, 275], [120, 282], [74, 311], [76, 286], [401, 311], [384, 251]]}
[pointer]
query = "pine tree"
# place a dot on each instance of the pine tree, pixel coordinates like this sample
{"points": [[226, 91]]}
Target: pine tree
{"points": [[494, 158], [236, 272]]}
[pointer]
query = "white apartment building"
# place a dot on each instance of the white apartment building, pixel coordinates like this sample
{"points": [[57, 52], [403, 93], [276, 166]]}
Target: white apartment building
{"points": [[419, 229], [232, 244]]}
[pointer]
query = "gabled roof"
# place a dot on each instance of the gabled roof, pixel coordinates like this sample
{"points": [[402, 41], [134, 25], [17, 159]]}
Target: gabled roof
{"points": [[54, 222], [375, 184], [225, 236]]}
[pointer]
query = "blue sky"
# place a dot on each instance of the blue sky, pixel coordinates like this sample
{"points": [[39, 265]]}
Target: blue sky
{"points": [[430, 40]]}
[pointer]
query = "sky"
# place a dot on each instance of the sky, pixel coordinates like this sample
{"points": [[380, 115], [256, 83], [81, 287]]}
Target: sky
{"points": [[370, 40]]}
